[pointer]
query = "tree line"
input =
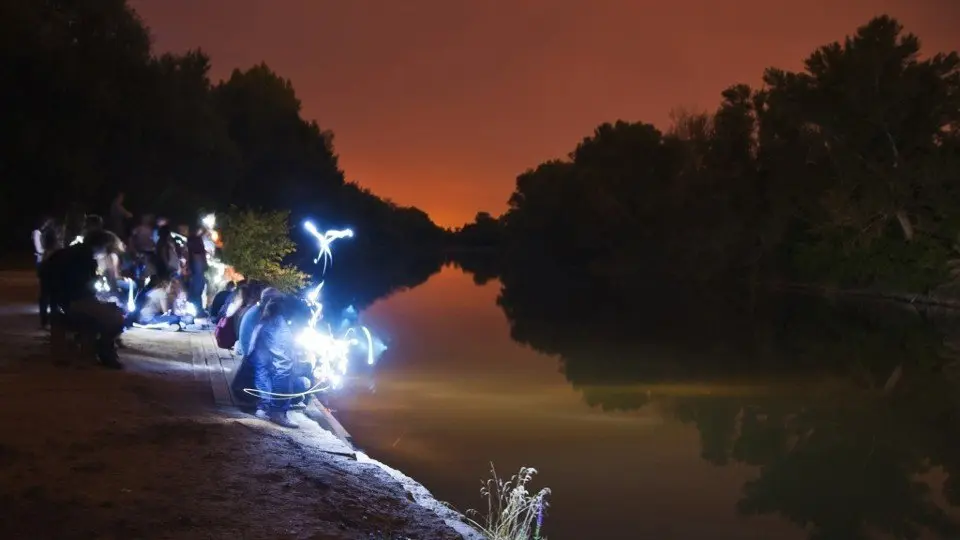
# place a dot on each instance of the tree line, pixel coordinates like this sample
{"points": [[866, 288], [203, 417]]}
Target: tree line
{"points": [[93, 110], [846, 173]]}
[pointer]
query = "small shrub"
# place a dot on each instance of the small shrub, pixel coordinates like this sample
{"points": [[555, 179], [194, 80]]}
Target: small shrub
{"points": [[513, 513], [255, 244]]}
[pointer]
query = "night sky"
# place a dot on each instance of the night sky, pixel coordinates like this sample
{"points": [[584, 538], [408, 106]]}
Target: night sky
{"points": [[441, 103]]}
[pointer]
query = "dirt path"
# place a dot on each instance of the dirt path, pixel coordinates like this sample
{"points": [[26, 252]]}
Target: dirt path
{"points": [[87, 453]]}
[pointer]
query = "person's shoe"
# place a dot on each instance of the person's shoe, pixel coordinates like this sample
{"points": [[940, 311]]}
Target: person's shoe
{"points": [[299, 406], [280, 418], [261, 414]]}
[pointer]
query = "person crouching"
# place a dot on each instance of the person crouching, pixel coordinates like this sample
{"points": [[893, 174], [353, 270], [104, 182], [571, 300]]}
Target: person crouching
{"points": [[69, 276], [267, 368]]}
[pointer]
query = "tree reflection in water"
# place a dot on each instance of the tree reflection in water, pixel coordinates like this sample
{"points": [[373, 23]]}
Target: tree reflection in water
{"points": [[852, 403]]}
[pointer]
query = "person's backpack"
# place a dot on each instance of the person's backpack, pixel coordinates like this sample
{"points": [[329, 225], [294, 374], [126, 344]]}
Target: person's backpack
{"points": [[225, 333]]}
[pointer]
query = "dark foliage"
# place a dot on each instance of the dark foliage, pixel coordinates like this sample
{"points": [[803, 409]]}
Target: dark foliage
{"points": [[847, 172], [91, 110]]}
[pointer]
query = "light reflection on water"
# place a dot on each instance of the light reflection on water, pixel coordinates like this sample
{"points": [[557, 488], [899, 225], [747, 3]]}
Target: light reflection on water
{"points": [[455, 393]]}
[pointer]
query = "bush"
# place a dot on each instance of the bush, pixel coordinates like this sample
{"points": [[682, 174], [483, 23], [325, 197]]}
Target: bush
{"points": [[256, 243]]}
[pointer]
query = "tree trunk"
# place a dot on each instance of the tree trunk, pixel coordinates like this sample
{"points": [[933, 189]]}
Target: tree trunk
{"points": [[905, 225]]}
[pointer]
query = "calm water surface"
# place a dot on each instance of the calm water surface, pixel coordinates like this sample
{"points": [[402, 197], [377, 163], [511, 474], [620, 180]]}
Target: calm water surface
{"points": [[724, 457]]}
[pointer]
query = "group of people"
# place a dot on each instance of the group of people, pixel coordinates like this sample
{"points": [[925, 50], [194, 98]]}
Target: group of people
{"points": [[168, 276], [257, 322], [166, 273]]}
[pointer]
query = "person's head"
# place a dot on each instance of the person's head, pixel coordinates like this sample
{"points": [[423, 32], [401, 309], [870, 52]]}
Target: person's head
{"points": [[241, 293], [269, 293], [101, 241], [174, 287], [93, 222], [275, 307], [254, 290]]}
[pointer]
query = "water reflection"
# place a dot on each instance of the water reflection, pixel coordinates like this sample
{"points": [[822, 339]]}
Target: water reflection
{"points": [[783, 417]]}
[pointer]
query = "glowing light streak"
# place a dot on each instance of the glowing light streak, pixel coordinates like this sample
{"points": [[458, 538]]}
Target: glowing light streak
{"points": [[77, 240], [131, 305], [325, 242], [328, 355]]}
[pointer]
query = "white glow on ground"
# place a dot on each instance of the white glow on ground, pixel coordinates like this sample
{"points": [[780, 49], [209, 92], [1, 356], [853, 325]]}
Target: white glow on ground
{"points": [[424, 498]]}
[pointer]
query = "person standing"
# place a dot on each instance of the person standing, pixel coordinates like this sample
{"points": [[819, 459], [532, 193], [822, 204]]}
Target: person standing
{"points": [[41, 238], [197, 265], [168, 259], [119, 215]]}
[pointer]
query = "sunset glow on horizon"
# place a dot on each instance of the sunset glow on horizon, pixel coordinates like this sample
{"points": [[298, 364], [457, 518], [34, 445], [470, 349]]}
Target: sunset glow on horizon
{"points": [[440, 104]]}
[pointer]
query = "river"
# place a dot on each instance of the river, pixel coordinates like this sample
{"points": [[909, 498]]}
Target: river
{"points": [[806, 452]]}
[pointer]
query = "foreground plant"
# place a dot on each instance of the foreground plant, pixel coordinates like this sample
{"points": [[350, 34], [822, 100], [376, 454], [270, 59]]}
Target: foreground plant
{"points": [[513, 513]]}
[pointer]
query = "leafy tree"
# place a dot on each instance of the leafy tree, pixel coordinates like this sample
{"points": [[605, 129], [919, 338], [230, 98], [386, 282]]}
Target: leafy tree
{"points": [[94, 112], [876, 118], [845, 173], [256, 243]]}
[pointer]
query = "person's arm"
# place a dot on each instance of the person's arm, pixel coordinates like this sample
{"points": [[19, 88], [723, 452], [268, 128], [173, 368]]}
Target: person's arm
{"points": [[37, 242]]}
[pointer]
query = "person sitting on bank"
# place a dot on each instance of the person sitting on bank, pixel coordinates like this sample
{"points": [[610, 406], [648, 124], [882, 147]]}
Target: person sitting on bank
{"points": [[251, 318], [220, 300], [157, 310], [69, 276]]}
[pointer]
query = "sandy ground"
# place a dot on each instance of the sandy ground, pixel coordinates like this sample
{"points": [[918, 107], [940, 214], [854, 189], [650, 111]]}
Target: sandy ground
{"points": [[87, 453]]}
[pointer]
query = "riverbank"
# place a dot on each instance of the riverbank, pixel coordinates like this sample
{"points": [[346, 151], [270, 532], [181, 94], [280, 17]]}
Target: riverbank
{"points": [[147, 453]]}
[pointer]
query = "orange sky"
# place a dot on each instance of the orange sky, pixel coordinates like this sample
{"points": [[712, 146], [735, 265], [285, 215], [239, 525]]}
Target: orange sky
{"points": [[441, 103]]}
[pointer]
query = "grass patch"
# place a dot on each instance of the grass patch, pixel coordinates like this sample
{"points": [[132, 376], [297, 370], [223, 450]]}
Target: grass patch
{"points": [[513, 512]]}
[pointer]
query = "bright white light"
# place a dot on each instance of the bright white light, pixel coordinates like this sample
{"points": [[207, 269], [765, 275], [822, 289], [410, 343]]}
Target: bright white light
{"points": [[313, 296], [325, 242], [366, 332], [131, 305], [328, 354], [77, 240], [209, 221]]}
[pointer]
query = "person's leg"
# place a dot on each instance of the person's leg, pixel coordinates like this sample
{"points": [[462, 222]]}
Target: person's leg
{"points": [[263, 383], [283, 383], [166, 319], [299, 385], [107, 320], [44, 300]]}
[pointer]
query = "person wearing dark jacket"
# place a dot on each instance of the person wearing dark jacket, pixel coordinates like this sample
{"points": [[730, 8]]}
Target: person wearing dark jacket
{"points": [[68, 275], [197, 266], [268, 367], [220, 300]]}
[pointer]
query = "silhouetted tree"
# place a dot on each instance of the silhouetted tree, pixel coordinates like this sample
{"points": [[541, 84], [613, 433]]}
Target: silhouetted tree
{"points": [[843, 173]]}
